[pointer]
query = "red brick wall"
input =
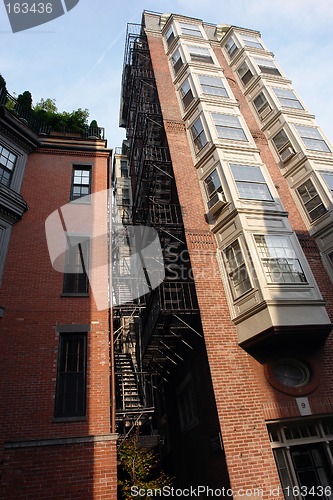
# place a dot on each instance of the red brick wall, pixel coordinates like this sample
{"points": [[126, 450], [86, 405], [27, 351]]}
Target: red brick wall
{"points": [[243, 396], [81, 472], [31, 294]]}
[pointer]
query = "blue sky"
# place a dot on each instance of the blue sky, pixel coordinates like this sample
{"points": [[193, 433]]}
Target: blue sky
{"points": [[77, 59]]}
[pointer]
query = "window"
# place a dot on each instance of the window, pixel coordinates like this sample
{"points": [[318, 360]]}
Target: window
{"points": [[228, 127], [311, 200], [267, 66], [198, 135], [237, 272], [262, 106], [330, 256], [81, 183], [200, 54], [7, 165], [328, 178], [231, 47], [279, 259], [213, 186], [125, 196], [212, 85], [302, 452], [250, 182], [170, 36], [312, 138], [70, 398], [190, 29], [251, 41], [187, 407], [245, 73], [123, 168], [283, 145], [287, 98], [76, 266], [177, 61], [186, 93]]}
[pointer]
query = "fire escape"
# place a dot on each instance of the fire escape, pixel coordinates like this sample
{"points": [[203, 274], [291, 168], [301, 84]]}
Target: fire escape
{"points": [[167, 316]]}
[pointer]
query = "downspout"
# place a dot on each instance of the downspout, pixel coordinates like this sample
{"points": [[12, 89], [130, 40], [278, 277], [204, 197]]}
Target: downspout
{"points": [[111, 347]]}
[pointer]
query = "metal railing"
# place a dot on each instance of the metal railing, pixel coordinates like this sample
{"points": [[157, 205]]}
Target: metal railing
{"points": [[28, 117]]}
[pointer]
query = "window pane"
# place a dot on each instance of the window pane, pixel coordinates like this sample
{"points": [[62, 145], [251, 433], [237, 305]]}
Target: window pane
{"points": [[287, 98], [279, 259], [237, 272], [281, 140], [311, 200], [252, 41], [198, 135], [200, 54], [70, 398], [212, 85], [312, 138], [170, 36], [212, 184], [329, 180], [190, 29], [228, 127], [245, 73], [231, 47], [267, 66], [250, 182], [7, 165], [81, 182]]}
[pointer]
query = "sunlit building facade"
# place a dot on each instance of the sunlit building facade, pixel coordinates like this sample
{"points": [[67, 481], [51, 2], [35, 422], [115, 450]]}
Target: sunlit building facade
{"points": [[231, 169]]}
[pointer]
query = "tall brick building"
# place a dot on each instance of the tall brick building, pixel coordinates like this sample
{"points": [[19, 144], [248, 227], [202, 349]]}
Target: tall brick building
{"points": [[230, 168], [56, 431]]}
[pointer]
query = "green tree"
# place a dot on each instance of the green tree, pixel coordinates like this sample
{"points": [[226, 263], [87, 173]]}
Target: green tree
{"points": [[3, 90], [139, 467], [48, 105], [2, 82], [25, 100]]}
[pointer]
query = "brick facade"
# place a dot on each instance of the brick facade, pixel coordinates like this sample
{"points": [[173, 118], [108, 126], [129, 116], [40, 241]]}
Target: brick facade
{"points": [[42, 456], [244, 398]]}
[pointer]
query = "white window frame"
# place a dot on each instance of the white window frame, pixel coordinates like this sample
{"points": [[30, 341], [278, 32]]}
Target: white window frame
{"points": [[196, 135], [170, 35], [242, 74], [264, 108], [267, 66], [184, 93], [288, 100], [254, 42], [310, 196], [316, 139], [213, 194], [197, 54], [259, 183], [232, 48], [235, 126], [238, 254], [175, 63], [214, 79], [329, 184], [285, 150], [284, 257], [193, 31], [284, 440]]}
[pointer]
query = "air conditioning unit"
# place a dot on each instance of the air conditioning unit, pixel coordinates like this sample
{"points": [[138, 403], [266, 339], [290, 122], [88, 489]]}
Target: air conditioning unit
{"points": [[286, 154], [216, 203], [265, 111]]}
